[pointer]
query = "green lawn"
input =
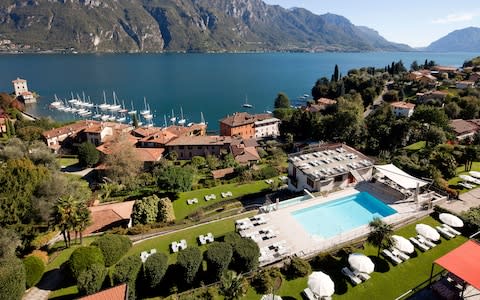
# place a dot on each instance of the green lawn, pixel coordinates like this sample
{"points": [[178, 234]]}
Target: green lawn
{"points": [[162, 243], [70, 292], [182, 209], [461, 171], [416, 146], [388, 281], [67, 162]]}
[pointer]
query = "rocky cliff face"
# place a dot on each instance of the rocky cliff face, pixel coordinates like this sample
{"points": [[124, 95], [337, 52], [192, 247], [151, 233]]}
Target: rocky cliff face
{"points": [[178, 25]]}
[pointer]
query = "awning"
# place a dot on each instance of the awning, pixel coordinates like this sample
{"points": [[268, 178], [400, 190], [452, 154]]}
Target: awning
{"points": [[401, 178], [464, 262]]}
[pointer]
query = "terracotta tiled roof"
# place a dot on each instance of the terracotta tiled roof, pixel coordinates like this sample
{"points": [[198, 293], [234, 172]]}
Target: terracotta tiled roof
{"points": [[461, 126], [109, 145], [200, 140], [326, 101], [243, 118], [18, 80], [245, 154], [146, 131], [444, 68], [250, 142], [402, 104], [159, 137], [123, 209], [186, 130], [101, 220], [95, 128], [149, 154], [222, 172], [118, 292]]}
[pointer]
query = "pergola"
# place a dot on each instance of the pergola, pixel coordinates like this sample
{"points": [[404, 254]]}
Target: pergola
{"points": [[463, 262]]}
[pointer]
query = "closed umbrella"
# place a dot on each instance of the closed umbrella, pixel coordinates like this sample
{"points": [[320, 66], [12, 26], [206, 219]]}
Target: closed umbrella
{"points": [[361, 263], [475, 174], [321, 284], [451, 220], [402, 244], [427, 232]]}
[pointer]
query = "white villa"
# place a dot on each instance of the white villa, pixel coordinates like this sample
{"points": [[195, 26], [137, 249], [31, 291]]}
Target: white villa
{"points": [[327, 167], [403, 109], [21, 90], [267, 128]]}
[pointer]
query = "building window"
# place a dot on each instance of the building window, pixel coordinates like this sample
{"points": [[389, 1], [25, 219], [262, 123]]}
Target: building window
{"points": [[181, 147], [199, 147], [310, 182], [338, 178]]}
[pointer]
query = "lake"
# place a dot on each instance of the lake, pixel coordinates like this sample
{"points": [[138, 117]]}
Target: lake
{"points": [[215, 84]]}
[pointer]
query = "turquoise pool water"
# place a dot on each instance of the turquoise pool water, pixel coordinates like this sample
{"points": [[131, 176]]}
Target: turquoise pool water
{"points": [[293, 201], [341, 215]]}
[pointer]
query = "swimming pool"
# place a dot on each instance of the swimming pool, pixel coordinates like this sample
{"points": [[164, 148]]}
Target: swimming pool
{"points": [[293, 201], [341, 215]]}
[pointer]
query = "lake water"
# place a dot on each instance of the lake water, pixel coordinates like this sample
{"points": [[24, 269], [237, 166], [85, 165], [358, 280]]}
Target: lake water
{"points": [[215, 84]]}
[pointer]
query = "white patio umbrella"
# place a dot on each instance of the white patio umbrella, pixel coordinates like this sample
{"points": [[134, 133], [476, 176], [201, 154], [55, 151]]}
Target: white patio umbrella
{"points": [[427, 232], [271, 297], [402, 244], [321, 284], [451, 220], [475, 174], [469, 179], [361, 263]]}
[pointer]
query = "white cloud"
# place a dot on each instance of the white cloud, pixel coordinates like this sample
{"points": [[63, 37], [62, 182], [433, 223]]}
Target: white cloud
{"points": [[455, 18]]}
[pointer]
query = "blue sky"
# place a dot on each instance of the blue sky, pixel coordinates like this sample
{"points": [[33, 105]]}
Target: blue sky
{"points": [[416, 23]]}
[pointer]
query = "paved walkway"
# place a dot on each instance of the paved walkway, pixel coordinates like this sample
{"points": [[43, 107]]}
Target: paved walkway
{"points": [[48, 283], [467, 200]]}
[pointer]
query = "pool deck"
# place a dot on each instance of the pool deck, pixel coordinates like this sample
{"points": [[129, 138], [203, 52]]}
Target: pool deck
{"points": [[299, 242]]}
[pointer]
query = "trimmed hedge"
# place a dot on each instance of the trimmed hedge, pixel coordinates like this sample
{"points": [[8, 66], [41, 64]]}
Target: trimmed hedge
{"points": [[218, 257], [34, 268], [84, 257], [113, 247], [245, 255], [189, 261], [91, 279], [297, 268], [154, 269], [126, 271], [12, 279]]}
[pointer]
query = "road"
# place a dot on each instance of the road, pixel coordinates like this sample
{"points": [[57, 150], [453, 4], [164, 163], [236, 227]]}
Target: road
{"points": [[376, 103]]}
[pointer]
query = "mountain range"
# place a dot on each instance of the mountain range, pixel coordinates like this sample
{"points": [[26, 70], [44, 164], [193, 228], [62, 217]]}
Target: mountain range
{"points": [[180, 25], [462, 40]]}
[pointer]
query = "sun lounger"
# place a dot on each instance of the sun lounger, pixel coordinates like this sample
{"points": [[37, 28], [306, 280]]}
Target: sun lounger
{"points": [[419, 245], [386, 253], [309, 294], [175, 247], [183, 244], [362, 276], [451, 230], [348, 273], [399, 254], [425, 241], [153, 251], [444, 232], [209, 237], [468, 186], [201, 239]]}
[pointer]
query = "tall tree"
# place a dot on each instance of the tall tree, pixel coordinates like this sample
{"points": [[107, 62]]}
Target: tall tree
{"points": [[380, 234], [122, 164], [63, 216], [233, 285], [335, 74], [88, 154], [282, 101]]}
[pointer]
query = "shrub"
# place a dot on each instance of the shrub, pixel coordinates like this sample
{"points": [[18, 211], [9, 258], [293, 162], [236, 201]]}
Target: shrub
{"points": [[91, 279], [12, 279], [218, 257], [113, 247], [166, 213], [88, 154], [126, 271], [145, 211], [262, 282], [297, 268], [154, 269], [267, 172], [189, 261], [84, 257], [245, 255], [232, 238], [43, 255], [34, 268]]}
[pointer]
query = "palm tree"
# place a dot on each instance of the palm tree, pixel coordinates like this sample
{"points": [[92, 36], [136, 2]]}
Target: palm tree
{"points": [[63, 213], [81, 220], [233, 286], [380, 234]]}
